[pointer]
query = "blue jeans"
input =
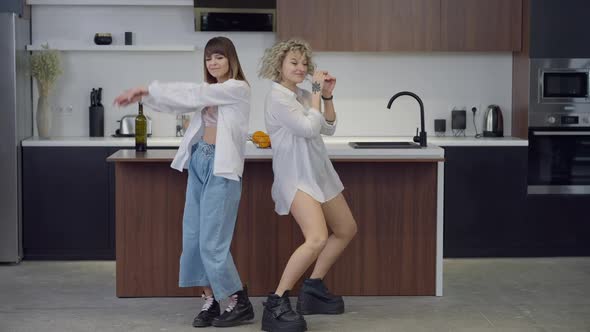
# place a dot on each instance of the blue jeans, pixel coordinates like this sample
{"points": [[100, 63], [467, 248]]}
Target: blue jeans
{"points": [[210, 213]]}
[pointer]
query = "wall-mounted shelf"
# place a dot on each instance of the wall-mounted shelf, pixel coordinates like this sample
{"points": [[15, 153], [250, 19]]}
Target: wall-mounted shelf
{"points": [[112, 2], [119, 48]]}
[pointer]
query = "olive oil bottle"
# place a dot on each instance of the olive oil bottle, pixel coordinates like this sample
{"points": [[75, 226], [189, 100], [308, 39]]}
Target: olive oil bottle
{"points": [[140, 130]]}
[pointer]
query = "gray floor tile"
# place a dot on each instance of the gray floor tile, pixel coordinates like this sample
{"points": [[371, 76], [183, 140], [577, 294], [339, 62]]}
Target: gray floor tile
{"points": [[540, 295]]}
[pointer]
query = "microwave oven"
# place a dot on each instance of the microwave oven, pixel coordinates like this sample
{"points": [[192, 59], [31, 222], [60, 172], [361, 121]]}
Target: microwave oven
{"points": [[559, 88]]}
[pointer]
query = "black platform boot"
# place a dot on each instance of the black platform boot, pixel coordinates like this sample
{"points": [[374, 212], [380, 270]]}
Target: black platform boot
{"points": [[314, 298], [208, 313], [238, 311], [279, 316]]}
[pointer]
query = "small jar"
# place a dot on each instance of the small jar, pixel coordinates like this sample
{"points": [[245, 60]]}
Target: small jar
{"points": [[103, 38]]}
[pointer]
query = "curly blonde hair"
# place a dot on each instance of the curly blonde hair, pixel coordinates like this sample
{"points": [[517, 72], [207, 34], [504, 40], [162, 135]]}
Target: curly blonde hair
{"points": [[273, 58]]}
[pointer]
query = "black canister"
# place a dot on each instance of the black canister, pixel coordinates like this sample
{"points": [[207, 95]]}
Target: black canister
{"points": [[96, 114], [96, 121]]}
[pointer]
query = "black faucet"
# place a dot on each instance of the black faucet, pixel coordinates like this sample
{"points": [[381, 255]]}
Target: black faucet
{"points": [[418, 139]]}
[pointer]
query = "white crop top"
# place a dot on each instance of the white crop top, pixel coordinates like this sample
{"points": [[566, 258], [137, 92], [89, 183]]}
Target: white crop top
{"points": [[209, 115]]}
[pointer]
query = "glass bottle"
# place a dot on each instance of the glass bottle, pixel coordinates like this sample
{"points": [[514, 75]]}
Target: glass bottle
{"points": [[140, 130]]}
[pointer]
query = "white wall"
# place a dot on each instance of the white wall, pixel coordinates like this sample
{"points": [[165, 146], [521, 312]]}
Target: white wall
{"points": [[366, 81]]}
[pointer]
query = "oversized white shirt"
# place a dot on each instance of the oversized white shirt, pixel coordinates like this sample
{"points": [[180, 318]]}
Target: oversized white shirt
{"points": [[300, 160], [232, 99]]}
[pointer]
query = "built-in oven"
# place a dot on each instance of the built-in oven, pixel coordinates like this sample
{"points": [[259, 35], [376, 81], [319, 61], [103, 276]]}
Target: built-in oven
{"points": [[559, 161], [559, 127]]}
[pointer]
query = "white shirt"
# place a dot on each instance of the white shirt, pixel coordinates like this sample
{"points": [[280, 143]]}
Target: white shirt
{"points": [[299, 157], [232, 99]]}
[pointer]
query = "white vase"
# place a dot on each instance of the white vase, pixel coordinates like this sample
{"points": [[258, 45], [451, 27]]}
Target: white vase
{"points": [[43, 117]]}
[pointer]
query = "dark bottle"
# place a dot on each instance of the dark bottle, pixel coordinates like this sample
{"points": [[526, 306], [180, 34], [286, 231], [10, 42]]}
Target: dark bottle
{"points": [[140, 130]]}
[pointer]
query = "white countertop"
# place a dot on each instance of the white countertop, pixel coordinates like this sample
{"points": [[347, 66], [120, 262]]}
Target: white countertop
{"points": [[337, 146], [482, 141], [175, 141], [100, 141]]}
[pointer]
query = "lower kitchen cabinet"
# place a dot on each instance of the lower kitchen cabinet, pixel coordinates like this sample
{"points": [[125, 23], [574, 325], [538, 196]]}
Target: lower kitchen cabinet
{"points": [[485, 201], [69, 206], [487, 212], [560, 225], [68, 203]]}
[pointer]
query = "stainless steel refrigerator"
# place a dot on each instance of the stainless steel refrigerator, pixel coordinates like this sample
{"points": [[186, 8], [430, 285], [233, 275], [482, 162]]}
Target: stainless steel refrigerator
{"points": [[16, 124]]}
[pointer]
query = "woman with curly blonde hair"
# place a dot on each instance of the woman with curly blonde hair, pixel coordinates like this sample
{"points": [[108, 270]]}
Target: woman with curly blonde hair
{"points": [[305, 182]]}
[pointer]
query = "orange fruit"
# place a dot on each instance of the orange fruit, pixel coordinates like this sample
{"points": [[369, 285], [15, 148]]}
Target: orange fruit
{"points": [[261, 139]]}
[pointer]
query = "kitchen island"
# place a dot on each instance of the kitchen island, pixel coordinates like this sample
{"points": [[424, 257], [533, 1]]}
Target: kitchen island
{"points": [[395, 196]]}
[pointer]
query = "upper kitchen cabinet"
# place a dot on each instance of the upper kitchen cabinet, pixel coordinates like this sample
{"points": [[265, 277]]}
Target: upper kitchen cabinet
{"points": [[368, 25], [559, 29], [481, 25], [399, 25], [328, 25], [403, 25]]}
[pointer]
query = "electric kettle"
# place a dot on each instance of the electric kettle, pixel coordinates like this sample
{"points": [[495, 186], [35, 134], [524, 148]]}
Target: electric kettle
{"points": [[493, 122], [127, 126]]}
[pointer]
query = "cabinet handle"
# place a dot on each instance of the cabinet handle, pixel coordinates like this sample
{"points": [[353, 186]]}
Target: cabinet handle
{"points": [[561, 133]]}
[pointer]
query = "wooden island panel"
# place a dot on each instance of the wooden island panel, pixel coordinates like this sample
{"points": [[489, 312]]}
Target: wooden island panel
{"points": [[394, 252]]}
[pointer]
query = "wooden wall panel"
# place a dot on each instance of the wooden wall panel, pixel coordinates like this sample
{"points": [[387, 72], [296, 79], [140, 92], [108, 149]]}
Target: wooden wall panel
{"points": [[521, 78]]}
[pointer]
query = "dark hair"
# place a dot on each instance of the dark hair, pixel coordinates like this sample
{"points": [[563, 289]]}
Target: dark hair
{"points": [[225, 47]]}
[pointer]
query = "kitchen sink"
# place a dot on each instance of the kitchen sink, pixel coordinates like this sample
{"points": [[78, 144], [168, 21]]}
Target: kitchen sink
{"points": [[384, 145]]}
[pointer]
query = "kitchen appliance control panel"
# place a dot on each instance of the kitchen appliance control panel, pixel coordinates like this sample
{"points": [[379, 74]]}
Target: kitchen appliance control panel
{"points": [[568, 120]]}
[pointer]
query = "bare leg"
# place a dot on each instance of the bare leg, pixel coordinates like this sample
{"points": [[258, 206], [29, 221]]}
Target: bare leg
{"points": [[343, 226], [208, 291], [308, 214]]}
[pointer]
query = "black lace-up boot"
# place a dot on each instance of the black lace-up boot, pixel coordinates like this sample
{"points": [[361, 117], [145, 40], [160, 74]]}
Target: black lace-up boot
{"points": [[314, 298], [278, 316], [208, 313], [239, 310]]}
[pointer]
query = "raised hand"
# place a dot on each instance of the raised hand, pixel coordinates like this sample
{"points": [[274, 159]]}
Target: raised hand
{"points": [[329, 85], [318, 80], [130, 96]]}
